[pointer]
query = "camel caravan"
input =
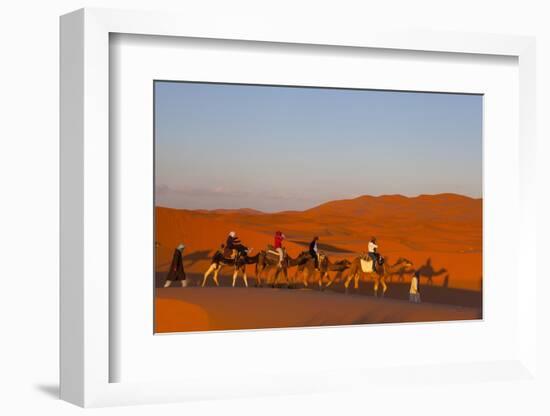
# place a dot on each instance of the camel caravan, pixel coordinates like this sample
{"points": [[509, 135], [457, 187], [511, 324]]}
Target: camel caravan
{"points": [[273, 264]]}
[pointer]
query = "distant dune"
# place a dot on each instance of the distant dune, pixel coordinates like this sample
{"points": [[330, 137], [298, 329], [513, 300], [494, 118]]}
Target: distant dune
{"points": [[441, 232], [244, 211]]}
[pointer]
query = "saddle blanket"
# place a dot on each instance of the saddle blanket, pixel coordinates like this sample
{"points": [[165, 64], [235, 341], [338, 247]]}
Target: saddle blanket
{"points": [[366, 266]]}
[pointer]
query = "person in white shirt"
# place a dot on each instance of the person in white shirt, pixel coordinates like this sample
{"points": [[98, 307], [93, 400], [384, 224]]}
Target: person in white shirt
{"points": [[414, 291], [373, 252]]}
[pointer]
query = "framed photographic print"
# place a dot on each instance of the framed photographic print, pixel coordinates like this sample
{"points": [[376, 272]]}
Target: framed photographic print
{"points": [[290, 213]]}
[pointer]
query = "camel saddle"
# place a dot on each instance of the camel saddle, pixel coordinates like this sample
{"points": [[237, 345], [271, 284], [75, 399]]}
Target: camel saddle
{"points": [[366, 265], [272, 253]]}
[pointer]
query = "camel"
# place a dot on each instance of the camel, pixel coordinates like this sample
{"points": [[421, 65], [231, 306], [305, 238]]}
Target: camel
{"points": [[305, 263], [218, 261], [428, 271], [400, 273], [338, 266], [240, 267], [307, 267], [269, 259], [239, 263], [363, 266]]}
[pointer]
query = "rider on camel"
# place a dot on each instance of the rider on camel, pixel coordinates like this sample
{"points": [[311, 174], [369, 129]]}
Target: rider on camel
{"points": [[278, 245], [233, 243], [314, 251], [373, 252]]}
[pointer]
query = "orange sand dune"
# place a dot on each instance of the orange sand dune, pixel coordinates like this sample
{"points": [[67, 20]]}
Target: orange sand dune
{"points": [[175, 316], [442, 232], [180, 310]]}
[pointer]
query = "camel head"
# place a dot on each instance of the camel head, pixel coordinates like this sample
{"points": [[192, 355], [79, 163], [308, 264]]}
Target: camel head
{"points": [[402, 261], [340, 265]]}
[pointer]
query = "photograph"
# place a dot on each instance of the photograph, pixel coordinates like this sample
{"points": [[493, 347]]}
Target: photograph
{"points": [[297, 206]]}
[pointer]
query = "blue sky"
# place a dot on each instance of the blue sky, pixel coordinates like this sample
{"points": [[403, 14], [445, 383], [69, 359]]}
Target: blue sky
{"points": [[280, 148]]}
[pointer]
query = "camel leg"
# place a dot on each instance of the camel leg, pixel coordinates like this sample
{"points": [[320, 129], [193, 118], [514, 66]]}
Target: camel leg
{"points": [[289, 279], [321, 278], [313, 277], [257, 269], [331, 281], [356, 283], [207, 273], [295, 279], [275, 278], [245, 279], [376, 280], [278, 275], [288, 282], [258, 278], [348, 280], [268, 277], [259, 272], [235, 274], [384, 286], [297, 276], [265, 275], [216, 276]]}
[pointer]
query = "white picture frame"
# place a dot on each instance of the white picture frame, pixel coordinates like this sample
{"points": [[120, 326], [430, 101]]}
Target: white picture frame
{"points": [[86, 356]]}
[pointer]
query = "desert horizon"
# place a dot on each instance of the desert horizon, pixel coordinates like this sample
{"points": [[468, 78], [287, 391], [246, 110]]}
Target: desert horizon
{"points": [[251, 210]]}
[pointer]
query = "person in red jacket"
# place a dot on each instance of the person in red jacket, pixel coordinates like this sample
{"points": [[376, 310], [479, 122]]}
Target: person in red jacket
{"points": [[278, 244]]}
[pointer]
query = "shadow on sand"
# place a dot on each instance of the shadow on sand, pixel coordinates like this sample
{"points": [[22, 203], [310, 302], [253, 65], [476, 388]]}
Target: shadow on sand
{"points": [[396, 290], [190, 259]]}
